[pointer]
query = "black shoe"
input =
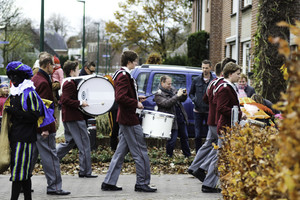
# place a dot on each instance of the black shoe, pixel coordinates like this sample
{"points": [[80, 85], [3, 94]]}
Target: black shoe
{"points": [[206, 189], [200, 174], [59, 192], [190, 171], [144, 188], [87, 176], [108, 187]]}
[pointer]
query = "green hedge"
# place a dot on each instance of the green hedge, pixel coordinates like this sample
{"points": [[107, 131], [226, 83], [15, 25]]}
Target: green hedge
{"points": [[198, 48]]}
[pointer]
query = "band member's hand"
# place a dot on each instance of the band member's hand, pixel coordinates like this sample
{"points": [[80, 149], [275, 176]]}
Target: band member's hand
{"points": [[180, 92], [84, 104], [142, 99], [244, 116], [45, 134], [140, 105]]}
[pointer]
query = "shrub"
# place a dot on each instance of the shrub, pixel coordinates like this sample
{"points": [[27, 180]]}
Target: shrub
{"points": [[265, 163], [247, 163], [198, 48], [177, 60], [289, 137]]}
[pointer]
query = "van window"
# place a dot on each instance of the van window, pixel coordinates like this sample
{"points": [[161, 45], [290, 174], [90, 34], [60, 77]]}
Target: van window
{"points": [[194, 77], [178, 81], [142, 81]]}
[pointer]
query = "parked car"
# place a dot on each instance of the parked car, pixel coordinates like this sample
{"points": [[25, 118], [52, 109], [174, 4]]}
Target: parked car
{"points": [[148, 79], [4, 78]]}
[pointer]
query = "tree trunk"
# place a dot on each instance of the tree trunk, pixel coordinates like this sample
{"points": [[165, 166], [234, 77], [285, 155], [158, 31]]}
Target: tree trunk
{"points": [[269, 80]]}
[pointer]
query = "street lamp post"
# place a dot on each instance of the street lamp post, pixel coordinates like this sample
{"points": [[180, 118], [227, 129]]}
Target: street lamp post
{"points": [[98, 44], [83, 32], [106, 56], [42, 27]]}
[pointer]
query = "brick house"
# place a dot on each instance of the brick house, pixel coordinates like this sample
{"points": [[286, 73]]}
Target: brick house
{"points": [[231, 29]]}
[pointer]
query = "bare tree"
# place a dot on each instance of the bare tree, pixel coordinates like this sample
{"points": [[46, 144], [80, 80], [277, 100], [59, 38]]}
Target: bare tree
{"points": [[58, 23], [15, 30]]}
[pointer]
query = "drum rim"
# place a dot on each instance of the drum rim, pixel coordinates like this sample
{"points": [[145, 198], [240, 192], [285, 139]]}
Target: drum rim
{"points": [[96, 76], [159, 113], [79, 86]]}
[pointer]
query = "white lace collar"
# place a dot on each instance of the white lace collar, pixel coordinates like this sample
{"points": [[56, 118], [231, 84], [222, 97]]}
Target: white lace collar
{"points": [[21, 87]]}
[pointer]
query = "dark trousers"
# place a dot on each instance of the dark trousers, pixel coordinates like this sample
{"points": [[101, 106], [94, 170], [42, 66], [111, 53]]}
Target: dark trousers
{"points": [[184, 140], [16, 189], [201, 128], [114, 129]]}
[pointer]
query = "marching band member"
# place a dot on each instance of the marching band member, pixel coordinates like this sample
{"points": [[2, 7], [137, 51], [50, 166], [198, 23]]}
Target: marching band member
{"points": [[46, 135], [74, 123], [131, 137]]}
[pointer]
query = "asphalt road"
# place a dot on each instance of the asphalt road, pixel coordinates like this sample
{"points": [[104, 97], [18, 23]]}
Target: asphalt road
{"points": [[168, 187]]}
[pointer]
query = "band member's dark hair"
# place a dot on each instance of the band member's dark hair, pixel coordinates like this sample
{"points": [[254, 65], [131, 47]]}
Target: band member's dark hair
{"points": [[128, 56], [68, 66]]}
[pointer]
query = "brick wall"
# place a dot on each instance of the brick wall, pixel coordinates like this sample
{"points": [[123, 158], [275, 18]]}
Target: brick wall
{"points": [[215, 51], [208, 17], [254, 12], [194, 17], [226, 25]]}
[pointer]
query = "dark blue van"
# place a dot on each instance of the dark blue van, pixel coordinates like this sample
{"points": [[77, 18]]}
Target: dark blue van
{"points": [[148, 79]]}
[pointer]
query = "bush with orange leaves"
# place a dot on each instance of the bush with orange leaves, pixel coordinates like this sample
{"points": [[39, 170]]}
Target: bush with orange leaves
{"points": [[289, 136], [256, 163], [247, 163]]}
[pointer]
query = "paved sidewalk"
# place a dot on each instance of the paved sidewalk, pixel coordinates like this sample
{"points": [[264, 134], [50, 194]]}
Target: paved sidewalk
{"points": [[169, 187]]}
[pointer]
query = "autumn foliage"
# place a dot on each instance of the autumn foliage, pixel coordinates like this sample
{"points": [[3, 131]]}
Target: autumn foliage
{"points": [[247, 162], [264, 163], [289, 137]]}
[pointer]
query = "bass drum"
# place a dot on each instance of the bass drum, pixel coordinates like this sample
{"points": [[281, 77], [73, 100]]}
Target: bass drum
{"points": [[98, 92]]}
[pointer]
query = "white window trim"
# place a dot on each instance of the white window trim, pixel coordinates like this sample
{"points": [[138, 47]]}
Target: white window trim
{"points": [[246, 68], [230, 39], [247, 2], [234, 6]]}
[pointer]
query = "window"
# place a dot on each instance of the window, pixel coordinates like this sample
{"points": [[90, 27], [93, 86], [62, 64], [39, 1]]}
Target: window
{"points": [[247, 2], [246, 57], [142, 81], [203, 11], [233, 51], [194, 77], [178, 81], [234, 7]]}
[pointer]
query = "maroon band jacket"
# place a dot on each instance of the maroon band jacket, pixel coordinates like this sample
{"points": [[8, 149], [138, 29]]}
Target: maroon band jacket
{"points": [[225, 98], [213, 117], [126, 97], [70, 102], [43, 87]]}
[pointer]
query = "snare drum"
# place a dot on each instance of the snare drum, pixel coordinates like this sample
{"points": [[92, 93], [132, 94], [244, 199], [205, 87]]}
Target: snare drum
{"points": [[157, 124], [98, 92]]}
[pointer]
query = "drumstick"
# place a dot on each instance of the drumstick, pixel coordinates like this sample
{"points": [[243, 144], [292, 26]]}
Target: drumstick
{"points": [[90, 104], [150, 95]]}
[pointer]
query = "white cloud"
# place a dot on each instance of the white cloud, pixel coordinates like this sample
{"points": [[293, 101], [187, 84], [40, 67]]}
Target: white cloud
{"points": [[72, 10]]}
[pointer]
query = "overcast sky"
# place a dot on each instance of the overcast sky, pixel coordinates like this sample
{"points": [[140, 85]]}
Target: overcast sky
{"points": [[72, 10]]}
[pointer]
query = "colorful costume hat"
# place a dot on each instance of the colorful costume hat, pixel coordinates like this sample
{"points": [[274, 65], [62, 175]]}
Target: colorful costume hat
{"points": [[19, 66]]}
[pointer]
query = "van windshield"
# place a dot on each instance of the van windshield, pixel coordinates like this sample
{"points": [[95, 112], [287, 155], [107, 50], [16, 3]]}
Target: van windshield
{"points": [[178, 81]]}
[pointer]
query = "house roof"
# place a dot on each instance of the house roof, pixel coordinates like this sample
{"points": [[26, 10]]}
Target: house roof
{"points": [[53, 40]]}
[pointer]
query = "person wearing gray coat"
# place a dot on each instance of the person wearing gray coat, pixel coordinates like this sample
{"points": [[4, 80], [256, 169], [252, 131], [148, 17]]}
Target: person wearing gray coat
{"points": [[169, 101]]}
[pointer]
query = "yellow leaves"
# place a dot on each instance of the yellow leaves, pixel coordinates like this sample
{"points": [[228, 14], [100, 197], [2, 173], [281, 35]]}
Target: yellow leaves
{"points": [[253, 174], [258, 152], [247, 163], [259, 190], [284, 47], [289, 182]]}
